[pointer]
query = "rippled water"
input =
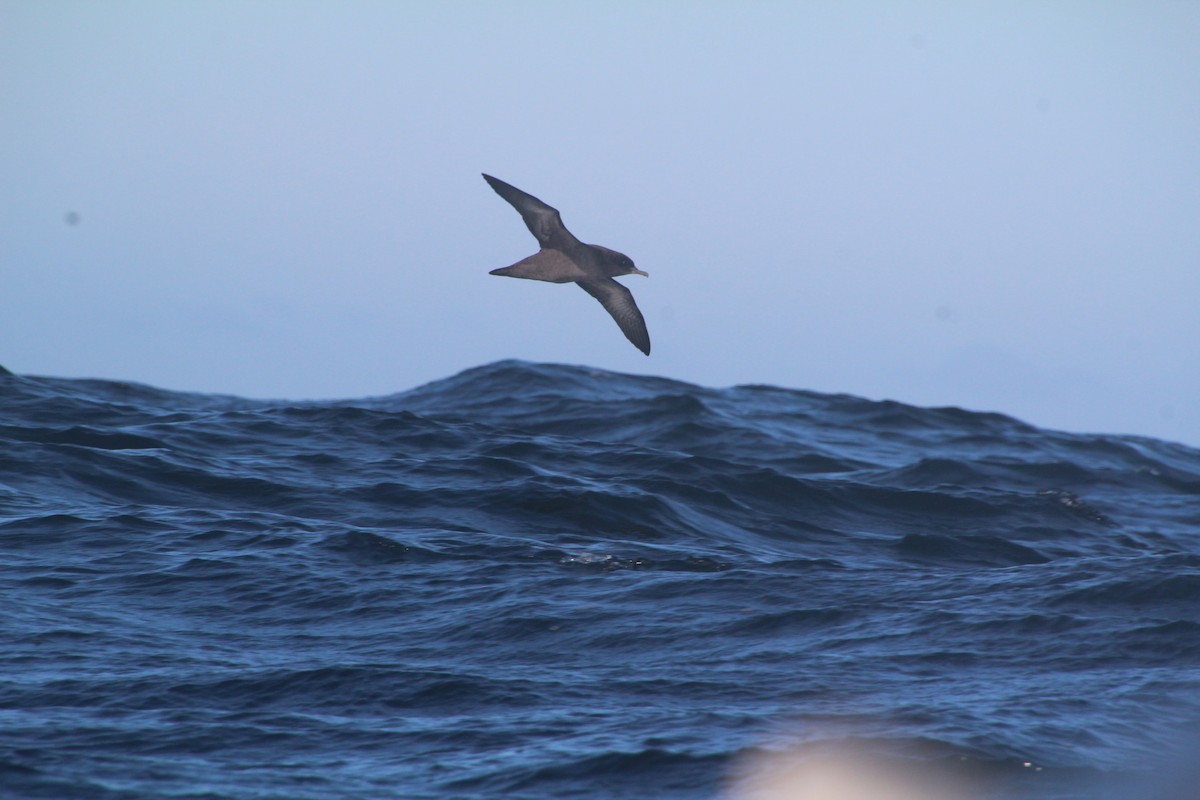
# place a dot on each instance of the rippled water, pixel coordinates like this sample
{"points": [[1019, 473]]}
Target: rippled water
{"points": [[544, 581]]}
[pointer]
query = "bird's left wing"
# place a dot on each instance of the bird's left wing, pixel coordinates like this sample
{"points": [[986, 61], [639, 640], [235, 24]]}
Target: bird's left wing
{"points": [[542, 220]]}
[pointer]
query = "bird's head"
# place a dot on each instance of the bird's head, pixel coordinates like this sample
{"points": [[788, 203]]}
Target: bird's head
{"points": [[618, 263], [627, 267]]}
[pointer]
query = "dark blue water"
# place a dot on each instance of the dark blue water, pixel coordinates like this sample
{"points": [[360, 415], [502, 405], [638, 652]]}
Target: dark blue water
{"points": [[540, 581]]}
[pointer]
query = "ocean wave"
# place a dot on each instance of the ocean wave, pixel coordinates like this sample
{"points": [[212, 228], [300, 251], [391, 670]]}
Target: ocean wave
{"points": [[546, 581]]}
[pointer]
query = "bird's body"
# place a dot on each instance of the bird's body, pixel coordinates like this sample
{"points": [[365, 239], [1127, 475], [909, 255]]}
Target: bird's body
{"points": [[564, 259]]}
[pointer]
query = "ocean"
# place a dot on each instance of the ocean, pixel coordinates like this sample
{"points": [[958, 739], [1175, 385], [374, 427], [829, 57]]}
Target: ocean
{"points": [[545, 581]]}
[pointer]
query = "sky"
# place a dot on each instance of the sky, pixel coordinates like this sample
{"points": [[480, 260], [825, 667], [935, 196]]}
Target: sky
{"points": [[988, 205]]}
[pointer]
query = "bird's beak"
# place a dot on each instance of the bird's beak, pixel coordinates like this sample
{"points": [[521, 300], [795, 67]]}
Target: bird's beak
{"points": [[639, 272]]}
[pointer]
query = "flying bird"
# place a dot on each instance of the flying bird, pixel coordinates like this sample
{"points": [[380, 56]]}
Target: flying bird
{"points": [[564, 259]]}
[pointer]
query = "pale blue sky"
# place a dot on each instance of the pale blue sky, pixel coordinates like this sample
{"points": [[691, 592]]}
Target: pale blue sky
{"points": [[988, 205]]}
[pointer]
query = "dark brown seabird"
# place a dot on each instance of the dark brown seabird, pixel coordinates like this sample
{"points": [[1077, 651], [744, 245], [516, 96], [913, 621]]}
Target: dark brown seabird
{"points": [[565, 259]]}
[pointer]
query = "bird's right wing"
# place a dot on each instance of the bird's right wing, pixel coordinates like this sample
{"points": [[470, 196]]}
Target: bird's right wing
{"points": [[542, 220], [618, 301]]}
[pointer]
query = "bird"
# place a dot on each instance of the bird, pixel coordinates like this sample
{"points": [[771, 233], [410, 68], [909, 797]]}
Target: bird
{"points": [[564, 259]]}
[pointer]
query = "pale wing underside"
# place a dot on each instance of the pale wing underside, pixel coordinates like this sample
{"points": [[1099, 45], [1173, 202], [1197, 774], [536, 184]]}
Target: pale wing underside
{"points": [[542, 220], [618, 301]]}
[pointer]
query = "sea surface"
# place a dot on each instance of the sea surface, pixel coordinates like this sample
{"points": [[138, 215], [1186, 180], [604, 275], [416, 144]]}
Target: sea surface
{"points": [[546, 581]]}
